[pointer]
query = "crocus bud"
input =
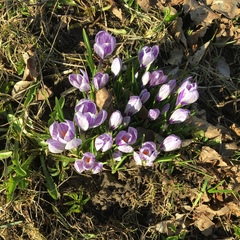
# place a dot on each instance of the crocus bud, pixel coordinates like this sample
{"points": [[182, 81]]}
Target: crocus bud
{"points": [[187, 93], [100, 80], [147, 55], [144, 95], [170, 143], [104, 45], [145, 78], [157, 77], [165, 90], [133, 106], [165, 109], [117, 155], [97, 167], [80, 81], [116, 66], [153, 114], [115, 120], [103, 142], [126, 121], [179, 116]]}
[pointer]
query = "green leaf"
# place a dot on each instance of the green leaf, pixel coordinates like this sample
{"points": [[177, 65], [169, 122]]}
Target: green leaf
{"points": [[89, 56], [5, 154], [50, 184], [30, 95]]}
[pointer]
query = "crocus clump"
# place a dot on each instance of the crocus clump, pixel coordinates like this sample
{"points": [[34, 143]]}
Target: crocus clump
{"points": [[147, 111]]}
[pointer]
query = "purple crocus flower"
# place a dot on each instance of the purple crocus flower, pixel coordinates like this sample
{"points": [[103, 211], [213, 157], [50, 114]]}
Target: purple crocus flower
{"points": [[147, 154], [88, 162], [147, 55], [104, 45], [153, 114], [63, 137], [126, 121], [100, 80], [144, 95], [103, 142], [126, 138], [170, 143], [165, 90], [157, 78], [117, 155], [133, 106], [146, 78], [80, 81], [116, 66], [187, 93], [86, 115], [179, 116], [165, 109], [115, 120]]}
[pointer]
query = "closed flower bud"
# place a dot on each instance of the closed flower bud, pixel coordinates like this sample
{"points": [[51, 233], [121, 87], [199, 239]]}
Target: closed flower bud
{"points": [[133, 106], [144, 95], [153, 114], [157, 78], [145, 78], [115, 120], [179, 116], [116, 66], [147, 55], [165, 90], [170, 143]]}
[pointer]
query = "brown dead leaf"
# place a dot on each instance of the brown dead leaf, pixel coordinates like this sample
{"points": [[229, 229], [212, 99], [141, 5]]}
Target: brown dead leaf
{"points": [[223, 68], [176, 56], [209, 155], [210, 131], [30, 73], [235, 128], [104, 100], [43, 93], [178, 32], [144, 4], [228, 8], [198, 55], [19, 88]]}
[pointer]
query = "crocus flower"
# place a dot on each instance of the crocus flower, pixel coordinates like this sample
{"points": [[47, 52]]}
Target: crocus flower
{"points": [[179, 116], [104, 45], [165, 90], [103, 142], [80, 81], [170, 143], [86, 115], [63, 137], [115, 120], [116, 66], [126, 138], [147, 55], [147, 154], [88, 163], [144, 95], [100, 80], [153, 114], [126, 121], [133, 106], [165, 109], [117, 155], [146, 78], [187, 93], [157, 77]]}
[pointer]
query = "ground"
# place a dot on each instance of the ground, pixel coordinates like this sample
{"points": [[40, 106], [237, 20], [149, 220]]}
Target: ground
{"points": [[194, 196]]}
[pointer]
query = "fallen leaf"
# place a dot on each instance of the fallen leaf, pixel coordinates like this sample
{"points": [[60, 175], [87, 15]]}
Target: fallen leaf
{"points": [[144, 4], [178, 33], [228, 8], [223, 68], [30, 73], [209, 155], [43, 93], [19, 88], [198, 55], [176, 56], [104, 100], [235, 128]]}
